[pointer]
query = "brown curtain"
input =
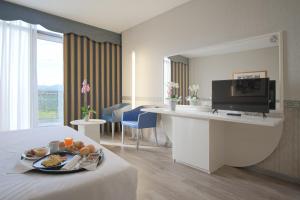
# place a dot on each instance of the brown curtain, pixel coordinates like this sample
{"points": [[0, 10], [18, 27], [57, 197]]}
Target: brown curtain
{"points": [[100, 64], [180, 75]]}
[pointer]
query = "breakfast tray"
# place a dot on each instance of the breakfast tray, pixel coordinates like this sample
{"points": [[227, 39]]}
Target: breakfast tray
{"points": [[58, 169]]}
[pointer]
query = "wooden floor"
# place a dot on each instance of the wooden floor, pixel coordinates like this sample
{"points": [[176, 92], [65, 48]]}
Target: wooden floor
{"points": [[160, 179]]}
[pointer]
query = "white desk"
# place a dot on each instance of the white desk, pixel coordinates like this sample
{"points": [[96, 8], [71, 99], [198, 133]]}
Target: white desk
{"points": [[89, 128], [194, 114], [208, 141]]}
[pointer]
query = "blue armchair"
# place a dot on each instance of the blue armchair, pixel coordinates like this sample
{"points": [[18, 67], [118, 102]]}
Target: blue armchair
{"points": [[139, 120], [113, 115]]}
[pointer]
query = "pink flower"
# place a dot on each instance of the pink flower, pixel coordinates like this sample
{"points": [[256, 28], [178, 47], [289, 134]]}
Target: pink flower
{"points": [[169, 92], [85, 87], [88, 88]]}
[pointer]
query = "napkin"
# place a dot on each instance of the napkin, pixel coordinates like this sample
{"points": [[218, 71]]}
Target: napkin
{"points": [[89, 165], [22, 166], [72, 164], [79, 162]]}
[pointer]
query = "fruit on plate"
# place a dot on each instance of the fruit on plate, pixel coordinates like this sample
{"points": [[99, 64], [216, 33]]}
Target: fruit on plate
{"points": [[53, 160], [39, 152], [36, 152], [30, 153]]}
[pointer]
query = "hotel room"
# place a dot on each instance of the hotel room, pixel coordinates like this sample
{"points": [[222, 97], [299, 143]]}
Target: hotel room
{"points": [[150, 99]]}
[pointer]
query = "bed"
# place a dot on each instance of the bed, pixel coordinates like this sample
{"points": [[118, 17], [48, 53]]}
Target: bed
{"points": [[114, 179]]}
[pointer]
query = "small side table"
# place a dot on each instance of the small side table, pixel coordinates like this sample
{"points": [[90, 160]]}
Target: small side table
{"points": [[90, 128]]}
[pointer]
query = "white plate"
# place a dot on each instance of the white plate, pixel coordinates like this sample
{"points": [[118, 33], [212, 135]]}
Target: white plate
{"points": [[29, 158], [32, 158]]}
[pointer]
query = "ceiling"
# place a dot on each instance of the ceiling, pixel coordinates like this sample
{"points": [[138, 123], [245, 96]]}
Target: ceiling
{"points": [[113, 15]]}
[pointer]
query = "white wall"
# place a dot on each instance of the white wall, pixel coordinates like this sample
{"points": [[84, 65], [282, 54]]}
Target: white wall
{"points": [[202, 23], [221, 67]]}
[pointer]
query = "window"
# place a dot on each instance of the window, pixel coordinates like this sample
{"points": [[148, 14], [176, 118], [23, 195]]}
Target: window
{"points": [[31, 76], [49, 77], [167, 77]]}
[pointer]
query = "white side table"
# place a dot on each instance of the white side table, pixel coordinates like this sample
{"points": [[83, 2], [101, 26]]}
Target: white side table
{"points": [[90, 128]]}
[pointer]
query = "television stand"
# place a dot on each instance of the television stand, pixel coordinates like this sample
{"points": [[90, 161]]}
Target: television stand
{"points": [[215, 111], [234, 114]]}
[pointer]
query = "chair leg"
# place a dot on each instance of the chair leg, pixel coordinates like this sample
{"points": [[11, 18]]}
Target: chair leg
{"points": [[112, 130], [119, 126], [107, 129], [155, 133], [122, 134], [132, 133], [137, 140]]}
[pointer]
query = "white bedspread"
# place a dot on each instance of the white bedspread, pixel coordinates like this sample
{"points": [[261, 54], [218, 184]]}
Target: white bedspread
{"points": [[113, 180]]}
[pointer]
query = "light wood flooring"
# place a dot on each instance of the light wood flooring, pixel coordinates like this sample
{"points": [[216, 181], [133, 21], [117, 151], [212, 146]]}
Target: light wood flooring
{"points": [[160, 179]]}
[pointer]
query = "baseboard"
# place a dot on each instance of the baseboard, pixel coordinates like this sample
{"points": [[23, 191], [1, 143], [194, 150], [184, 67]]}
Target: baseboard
{"points": [[274, 174], [192, 166]]}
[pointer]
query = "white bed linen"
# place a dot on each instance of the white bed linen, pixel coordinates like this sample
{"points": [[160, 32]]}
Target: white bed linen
{"points": [[113, 180]]}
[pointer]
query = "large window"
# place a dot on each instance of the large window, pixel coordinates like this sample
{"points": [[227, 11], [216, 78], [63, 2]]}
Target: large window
{"points": [[49, 77], [31, 76]]}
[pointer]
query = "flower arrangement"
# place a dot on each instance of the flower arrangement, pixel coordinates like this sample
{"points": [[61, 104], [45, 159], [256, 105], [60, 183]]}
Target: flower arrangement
{"points": [[86, 110], [171, 90], [193, 98], [172, 96]]}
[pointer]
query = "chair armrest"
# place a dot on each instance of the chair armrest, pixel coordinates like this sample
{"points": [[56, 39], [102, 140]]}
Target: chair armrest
{"points": [[130, 116], [117, 113], [109, 110], [106, 111], [147, 120]]}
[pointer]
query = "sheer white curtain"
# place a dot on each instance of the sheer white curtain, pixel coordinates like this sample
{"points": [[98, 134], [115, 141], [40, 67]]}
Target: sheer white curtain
{"points": [[18, 81]]}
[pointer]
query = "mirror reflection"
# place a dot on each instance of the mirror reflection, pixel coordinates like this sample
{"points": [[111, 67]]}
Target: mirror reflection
{"points": [[194, 70]]}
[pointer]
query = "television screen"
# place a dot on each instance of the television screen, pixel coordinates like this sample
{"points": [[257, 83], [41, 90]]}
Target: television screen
{"points": [[272, 95], [249, 95]]}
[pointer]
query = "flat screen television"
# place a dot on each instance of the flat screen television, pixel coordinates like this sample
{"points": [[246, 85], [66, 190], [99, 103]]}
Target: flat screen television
{"points": [[248, 95], [272, 95]]}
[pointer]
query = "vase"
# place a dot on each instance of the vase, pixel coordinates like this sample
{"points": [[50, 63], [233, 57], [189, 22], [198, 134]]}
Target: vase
{"points": [[91, 115], [194, 102], [86, 117], [172, 105]]}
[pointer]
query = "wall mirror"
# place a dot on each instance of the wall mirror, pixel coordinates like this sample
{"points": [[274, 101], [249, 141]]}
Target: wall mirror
{"points": [[259, 56]]}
